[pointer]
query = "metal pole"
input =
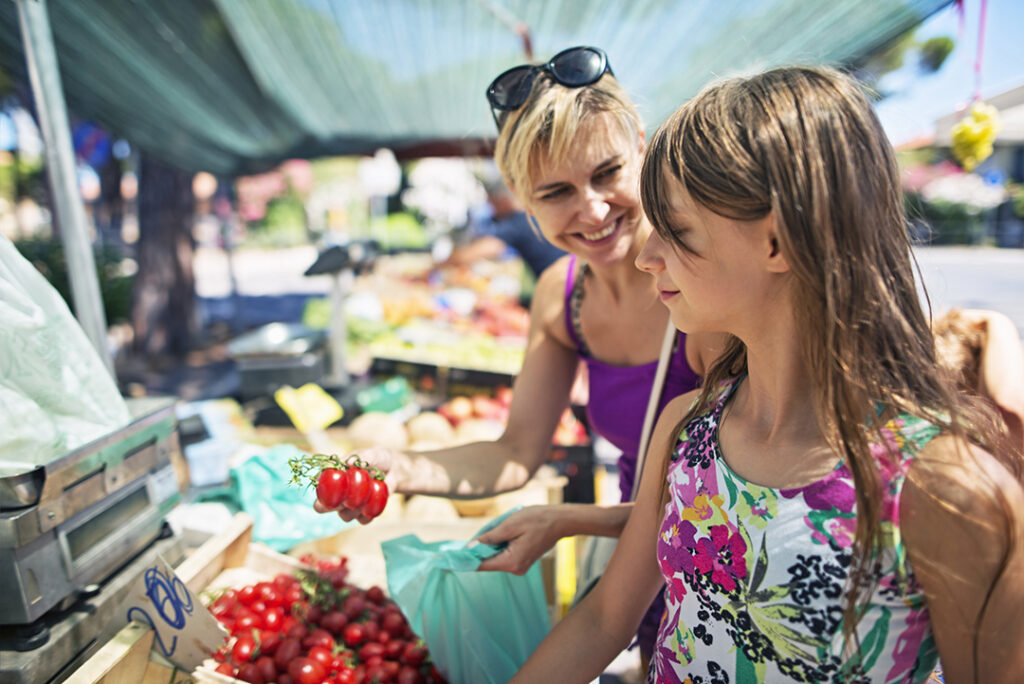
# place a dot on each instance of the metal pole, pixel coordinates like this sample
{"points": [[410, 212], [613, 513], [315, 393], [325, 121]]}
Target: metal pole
{"points": [[44, 76]]}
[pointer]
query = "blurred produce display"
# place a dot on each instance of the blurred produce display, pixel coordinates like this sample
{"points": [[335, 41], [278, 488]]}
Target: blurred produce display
{"points": [[456, 317]]}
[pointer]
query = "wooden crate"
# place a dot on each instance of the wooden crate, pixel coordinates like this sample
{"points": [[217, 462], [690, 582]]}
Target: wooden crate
{"points": [[226, 559]]}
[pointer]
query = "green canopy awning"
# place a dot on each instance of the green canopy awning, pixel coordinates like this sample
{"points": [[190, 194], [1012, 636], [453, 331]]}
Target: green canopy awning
{"points": [[234, 86]]}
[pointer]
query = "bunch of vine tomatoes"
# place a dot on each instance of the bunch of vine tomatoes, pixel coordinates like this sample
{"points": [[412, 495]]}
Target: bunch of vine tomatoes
{"points": [[350, 483], [315, 628]]}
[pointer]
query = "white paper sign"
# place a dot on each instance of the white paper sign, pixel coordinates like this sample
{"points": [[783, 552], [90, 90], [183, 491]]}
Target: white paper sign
{"points": [[186, 632]]}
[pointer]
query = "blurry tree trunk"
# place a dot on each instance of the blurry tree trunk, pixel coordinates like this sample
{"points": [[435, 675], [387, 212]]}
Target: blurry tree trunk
{"points": [[163, 302]]}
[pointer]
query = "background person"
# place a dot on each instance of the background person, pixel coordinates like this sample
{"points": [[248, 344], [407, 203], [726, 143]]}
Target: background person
{"points": [[983, 351], [829, 507], [503, 226]]}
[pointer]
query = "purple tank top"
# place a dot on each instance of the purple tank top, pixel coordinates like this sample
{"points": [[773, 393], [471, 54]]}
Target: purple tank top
{"points": [[619, 394]]}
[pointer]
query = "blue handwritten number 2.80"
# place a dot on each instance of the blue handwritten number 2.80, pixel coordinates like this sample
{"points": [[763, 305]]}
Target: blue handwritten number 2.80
{"points": [[172, 601]]}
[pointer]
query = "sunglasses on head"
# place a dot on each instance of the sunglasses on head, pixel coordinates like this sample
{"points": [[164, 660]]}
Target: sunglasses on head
{"points": [[574, 68]]}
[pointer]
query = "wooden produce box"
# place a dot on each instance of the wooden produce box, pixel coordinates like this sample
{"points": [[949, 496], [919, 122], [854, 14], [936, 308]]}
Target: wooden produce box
{"points": [[226, 559]]}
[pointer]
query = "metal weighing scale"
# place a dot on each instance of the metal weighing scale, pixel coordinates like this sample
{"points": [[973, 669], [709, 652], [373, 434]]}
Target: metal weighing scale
{"points": [[71, 532]]}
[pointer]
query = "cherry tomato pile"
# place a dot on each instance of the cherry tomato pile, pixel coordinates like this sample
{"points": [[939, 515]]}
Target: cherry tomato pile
{"points": [[315, 628], [351, 483]]}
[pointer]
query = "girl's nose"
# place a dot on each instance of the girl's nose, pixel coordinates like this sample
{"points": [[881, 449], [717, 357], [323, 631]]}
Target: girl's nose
{"points": [[648, 259]]}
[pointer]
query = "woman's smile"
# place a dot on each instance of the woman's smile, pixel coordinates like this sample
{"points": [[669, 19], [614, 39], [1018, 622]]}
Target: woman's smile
{"points": [[596, 237]]}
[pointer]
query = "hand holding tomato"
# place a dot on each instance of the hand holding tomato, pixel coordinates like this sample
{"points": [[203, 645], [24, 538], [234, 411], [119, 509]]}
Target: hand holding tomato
{"points": [[352, 487]]}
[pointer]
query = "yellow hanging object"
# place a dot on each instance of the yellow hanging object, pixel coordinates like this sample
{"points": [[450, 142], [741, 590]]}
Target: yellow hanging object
{"points": [[974, 134], [310, 409]]}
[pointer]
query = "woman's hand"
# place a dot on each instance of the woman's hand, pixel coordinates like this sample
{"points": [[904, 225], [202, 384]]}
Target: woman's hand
{"points": [[529, 533], [382, 458]]}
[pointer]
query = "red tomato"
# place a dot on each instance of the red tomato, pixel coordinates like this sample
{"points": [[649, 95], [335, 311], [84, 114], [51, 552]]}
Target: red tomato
{"points": [[247, 595], [372, 649], [353, 606], [346, 675], [252, 674], [306, 671], [225, 668], [414, 655], [336, 576], [319, 637], [393, 623], [409, 675], [321, 655], [269, 641], [243, 650], [353, 634], [267, 668], [331, 487], [375, 593], [358, 488], [394, 648], [297, 631], [286, 652], [314, 613], [334, 621], [377, 499], [272, 619]]}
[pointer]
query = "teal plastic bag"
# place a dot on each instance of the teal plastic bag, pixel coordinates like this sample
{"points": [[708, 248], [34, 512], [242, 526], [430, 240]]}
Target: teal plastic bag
{"points": [[480, 627], [282, 513]]}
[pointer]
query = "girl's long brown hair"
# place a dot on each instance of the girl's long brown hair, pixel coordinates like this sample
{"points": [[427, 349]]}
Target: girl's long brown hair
{"points": [[805, 144]]}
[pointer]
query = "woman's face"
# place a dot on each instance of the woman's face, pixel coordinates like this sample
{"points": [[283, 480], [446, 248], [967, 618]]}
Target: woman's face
{"points": [[589, 203], [713, 276]]}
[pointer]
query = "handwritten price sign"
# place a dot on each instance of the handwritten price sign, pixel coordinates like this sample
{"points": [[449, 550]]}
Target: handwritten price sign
{"points": [[186, 632]]}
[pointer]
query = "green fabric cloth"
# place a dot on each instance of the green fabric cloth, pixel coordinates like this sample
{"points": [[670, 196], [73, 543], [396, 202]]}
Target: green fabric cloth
{"points": [[231, 86]]}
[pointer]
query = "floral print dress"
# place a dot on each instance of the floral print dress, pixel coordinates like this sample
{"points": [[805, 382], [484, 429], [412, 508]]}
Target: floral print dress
{"points": [[755, 576]]}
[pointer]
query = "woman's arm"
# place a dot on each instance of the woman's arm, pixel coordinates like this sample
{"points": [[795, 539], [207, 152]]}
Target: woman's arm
{"points": [[540, 396], [596, 630], [962, 517]]}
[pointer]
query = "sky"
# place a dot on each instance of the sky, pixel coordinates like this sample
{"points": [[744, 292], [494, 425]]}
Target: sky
{"points": [[923, 99]]}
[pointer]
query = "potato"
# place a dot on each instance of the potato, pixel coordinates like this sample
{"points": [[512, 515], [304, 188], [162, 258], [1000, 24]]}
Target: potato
{"points": [[478, 430], [376, 428], [430, 427]]}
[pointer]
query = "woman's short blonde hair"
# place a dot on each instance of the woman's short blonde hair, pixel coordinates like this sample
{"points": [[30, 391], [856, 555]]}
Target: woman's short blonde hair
{"points": [[549, 120]]}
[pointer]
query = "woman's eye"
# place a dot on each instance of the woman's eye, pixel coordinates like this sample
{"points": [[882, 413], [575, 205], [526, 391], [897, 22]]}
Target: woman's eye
{"points": [[553, 194], [605, 174]]}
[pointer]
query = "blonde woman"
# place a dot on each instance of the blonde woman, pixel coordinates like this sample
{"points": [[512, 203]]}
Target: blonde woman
{"points": [[828, 507], [570, 145]]}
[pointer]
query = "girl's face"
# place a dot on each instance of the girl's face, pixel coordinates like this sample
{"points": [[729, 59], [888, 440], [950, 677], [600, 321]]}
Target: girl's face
{"points": [[589, 203], [717, 274]]}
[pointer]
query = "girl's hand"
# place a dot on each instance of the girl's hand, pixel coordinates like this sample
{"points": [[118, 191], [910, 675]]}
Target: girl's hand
{"points": [[529, 534]]}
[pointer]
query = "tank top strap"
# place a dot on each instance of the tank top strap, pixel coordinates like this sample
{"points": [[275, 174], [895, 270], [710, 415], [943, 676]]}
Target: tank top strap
{"points": [[573, 300]]}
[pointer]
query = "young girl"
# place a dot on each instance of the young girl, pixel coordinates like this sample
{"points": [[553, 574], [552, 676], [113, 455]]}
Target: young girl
{"points": [[828, 508]]}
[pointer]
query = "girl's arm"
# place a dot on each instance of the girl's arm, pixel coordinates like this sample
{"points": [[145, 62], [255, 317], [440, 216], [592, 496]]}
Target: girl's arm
{"points": [[597, 629], [535, 529], [962, 516]]}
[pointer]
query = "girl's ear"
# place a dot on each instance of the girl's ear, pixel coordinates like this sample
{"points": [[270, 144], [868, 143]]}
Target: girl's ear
{"points": [[777, 262]]}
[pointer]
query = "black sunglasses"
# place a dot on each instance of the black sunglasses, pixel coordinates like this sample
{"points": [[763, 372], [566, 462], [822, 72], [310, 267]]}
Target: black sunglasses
{"points": [[574, 67]]}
